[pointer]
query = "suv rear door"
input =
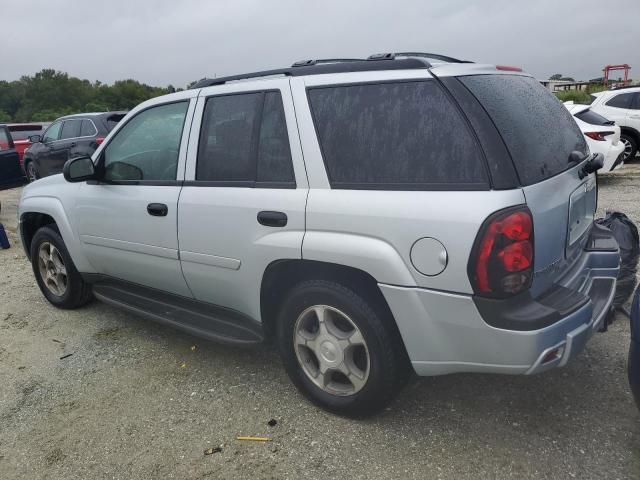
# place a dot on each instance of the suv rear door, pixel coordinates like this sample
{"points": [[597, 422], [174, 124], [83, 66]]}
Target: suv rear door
{"points": [[243, 201], [540, 133]]}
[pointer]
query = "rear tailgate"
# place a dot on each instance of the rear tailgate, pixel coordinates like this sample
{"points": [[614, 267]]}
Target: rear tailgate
{"points": [[540, 134]]}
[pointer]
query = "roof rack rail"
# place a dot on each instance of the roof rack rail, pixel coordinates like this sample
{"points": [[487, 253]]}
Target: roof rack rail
{"points": [[434, 56], [308, 63], [322, 67]]}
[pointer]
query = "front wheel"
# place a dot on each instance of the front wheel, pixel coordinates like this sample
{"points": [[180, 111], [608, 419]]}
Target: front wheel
{"points": [[55, 272], [339, 348], [630, 147]]}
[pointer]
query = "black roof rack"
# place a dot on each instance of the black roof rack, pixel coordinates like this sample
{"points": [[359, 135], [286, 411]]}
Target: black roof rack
{"points": [[323, 66], [378, 61], [433, 56]]}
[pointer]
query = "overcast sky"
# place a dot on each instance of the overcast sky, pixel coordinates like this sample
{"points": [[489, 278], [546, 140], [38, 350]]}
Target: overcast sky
{"points": [[164, 42]]}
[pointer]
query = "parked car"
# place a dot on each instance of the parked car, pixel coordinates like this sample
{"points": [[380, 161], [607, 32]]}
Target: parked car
{"points": [[10, 172], [623, 107], [67, 137], [634, 348], [21, 133], [602, 135], [386, 247]]}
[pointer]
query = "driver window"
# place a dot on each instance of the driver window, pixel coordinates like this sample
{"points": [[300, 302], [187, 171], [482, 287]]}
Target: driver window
{"points": [[146, 148], [52, 133]]}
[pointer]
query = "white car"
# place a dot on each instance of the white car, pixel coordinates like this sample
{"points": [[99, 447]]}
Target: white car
{"points": [[602, 135], [623, 107]]}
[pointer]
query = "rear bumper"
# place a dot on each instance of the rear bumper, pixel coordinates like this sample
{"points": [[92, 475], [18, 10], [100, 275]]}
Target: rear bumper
{"points": [[447, 333], [613, 157]]}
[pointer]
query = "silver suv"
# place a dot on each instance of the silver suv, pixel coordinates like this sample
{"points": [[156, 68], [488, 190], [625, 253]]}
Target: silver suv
{"points": [[371, 217]]}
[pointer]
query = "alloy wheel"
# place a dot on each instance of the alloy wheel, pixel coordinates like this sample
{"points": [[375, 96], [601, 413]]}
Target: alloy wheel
{"points": [[331, 350], [52, 269]]}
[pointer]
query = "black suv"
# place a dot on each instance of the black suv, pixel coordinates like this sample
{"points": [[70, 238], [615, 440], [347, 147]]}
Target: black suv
{"points": [[68, 137]]}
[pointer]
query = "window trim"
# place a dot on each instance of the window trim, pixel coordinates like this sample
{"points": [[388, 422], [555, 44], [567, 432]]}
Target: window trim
{"points": [[64, 120], [422, 186], [100, 168], [255, 146]]}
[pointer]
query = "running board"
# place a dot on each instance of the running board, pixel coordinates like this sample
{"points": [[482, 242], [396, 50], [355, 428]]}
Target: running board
{"points": [[201, 319]]}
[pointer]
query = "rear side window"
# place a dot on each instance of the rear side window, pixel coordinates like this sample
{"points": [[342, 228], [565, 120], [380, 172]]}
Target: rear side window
{"points": [[593, 118], [87, 129], [635, 104], [404, 136], [538, 130], [70, 129], [244, 140], [621, 101]]}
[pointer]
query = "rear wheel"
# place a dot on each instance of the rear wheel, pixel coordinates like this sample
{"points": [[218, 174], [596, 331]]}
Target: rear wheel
{"points": [[339, 349], [55, 272], [630, 146], [32, 172]]}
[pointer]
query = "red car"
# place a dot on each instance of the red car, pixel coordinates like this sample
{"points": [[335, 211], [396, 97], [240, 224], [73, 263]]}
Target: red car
{"points": [[21, 132]]}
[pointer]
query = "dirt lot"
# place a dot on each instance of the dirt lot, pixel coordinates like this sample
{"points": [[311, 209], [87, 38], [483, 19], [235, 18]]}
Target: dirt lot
{"points": [[136, 400]]}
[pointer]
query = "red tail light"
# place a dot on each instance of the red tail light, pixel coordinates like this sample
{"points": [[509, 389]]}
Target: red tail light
{"points": [[508, 68], [501, 263], [600, 136], [99, 140]]}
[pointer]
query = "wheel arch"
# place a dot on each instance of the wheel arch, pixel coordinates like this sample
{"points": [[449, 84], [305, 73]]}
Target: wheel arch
{"points": [[37, 212], [281, 276], [632, 132]]}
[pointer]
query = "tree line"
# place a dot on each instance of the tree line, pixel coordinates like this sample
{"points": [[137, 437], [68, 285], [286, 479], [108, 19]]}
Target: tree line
{"points": [[50, 94]]}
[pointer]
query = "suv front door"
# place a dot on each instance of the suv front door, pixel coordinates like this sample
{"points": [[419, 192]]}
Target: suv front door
{"points": [[127, 221], [243, 202], [43, 151]]}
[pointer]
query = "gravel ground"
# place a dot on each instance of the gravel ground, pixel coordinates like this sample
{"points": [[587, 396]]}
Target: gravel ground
{"points": [[136, 400]]}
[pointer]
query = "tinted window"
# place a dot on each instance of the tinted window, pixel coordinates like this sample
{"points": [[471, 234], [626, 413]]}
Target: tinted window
{"points": [[224, 152], [274, 154], [70, 129], [52, 132], [147, 147], [635, 105], [593, 118], [621, 101], [88, 129], [408, 134], [538, 130], [244, 139]]}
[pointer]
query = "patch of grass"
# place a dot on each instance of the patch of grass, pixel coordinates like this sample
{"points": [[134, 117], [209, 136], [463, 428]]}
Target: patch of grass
{"points": [[577, 96]]}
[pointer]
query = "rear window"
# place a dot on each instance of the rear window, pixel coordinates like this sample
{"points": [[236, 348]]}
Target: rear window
{"points": [[537, 129], [593, 118], [112, 120], [22, 132], [403, 136]]}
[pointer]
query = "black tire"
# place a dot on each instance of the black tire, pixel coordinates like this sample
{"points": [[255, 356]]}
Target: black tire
{"points": [[77, 292], [625, 137], [31, 171], [388, 366]]}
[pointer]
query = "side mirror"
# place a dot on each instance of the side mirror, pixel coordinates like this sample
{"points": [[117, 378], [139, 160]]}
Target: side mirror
{"points": [[35, 138], [79, 169]]}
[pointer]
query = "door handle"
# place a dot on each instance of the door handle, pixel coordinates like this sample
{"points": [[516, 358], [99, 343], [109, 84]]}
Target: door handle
{"points": [[157, 209], [272, 219], [72, 144]]}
